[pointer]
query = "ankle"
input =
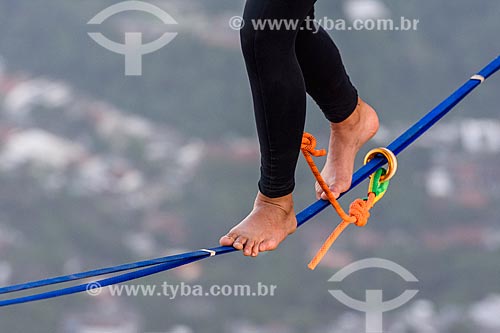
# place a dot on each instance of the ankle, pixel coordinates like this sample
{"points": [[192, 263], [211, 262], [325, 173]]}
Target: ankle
{"points": [[285, 203], [353, 120]]}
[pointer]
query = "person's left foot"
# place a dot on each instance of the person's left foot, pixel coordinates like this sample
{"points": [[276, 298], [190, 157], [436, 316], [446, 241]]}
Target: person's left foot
{"points": [[269, 223], [346, 138]]}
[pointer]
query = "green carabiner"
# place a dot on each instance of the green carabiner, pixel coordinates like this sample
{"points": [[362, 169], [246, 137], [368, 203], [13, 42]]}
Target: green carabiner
{"points": [[376, 186]]}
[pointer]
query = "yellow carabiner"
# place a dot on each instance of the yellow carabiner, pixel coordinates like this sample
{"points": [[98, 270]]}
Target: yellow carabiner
{"points": [[391, 161]]}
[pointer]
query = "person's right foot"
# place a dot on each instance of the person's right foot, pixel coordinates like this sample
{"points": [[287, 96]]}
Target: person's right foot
{"points": [[346, 138]]}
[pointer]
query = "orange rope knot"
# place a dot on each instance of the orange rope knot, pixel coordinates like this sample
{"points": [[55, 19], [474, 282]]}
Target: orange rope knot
{"points": [[359, 211], [309, 145]]}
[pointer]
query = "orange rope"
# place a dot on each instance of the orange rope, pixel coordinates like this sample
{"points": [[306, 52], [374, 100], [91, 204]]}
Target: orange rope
{"points": [[359, 211]]}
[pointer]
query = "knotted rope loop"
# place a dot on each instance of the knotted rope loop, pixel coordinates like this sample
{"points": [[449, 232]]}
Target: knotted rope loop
{"points": [[359, 211], [309, 145]]}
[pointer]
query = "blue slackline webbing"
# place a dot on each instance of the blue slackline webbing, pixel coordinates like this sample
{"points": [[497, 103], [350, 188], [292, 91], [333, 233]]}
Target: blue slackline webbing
{"points": [[103, 271], [101, 283], [166, 263]]}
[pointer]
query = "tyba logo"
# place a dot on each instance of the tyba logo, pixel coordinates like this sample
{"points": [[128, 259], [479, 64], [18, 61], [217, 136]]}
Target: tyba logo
{"points": [[133, 49], [373, 305]]}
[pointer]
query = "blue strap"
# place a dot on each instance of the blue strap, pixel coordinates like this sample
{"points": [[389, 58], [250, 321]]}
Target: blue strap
{"points": [[109, 270], [158, 265]]}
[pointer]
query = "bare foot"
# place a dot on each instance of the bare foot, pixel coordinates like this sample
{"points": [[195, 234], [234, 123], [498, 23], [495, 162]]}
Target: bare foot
{"points": [[269, 223], [346, 138]]}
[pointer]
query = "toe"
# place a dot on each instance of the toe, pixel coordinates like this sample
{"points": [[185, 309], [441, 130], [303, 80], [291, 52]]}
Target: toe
{"points": [[247, 251], [323, 196], [340, 186], [228, 239], [268, 245], [319, 190], [335, 192], [240, 242], [255, 250]]}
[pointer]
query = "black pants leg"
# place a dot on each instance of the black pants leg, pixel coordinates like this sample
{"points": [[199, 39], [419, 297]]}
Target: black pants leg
{"points": [[283, 64]]}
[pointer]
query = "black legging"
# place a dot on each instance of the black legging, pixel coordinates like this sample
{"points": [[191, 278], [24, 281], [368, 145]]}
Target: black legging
{"points": [[282, 66]]}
